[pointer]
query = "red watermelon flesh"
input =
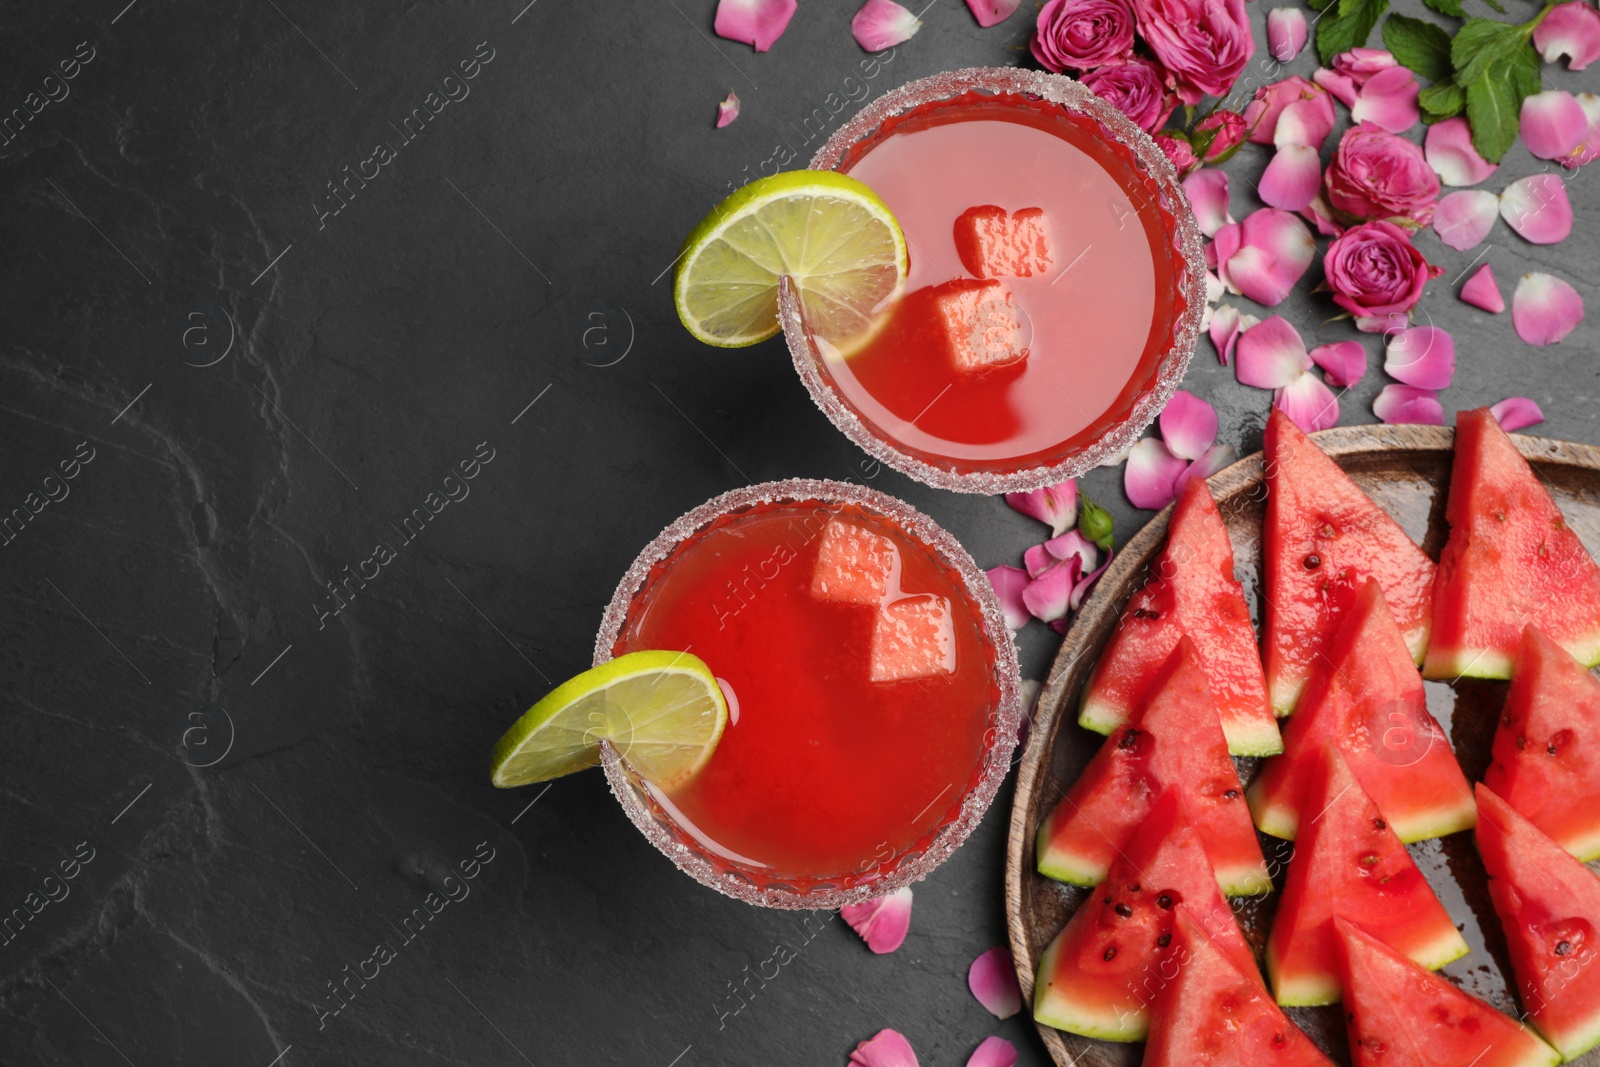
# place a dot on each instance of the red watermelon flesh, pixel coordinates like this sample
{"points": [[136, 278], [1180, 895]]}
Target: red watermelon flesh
{"points": [[1400, 1014], [1101, 972], [1176, 743], [1511, 560], [1207, 1014], [1191, 590], [1547, 749], [1322, 539], [1367, 699], [1548, 904], [1348, 860]]}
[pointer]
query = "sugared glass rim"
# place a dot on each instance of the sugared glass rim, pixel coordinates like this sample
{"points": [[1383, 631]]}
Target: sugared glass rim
{"points": [[1187, 240], [1002, 735]]}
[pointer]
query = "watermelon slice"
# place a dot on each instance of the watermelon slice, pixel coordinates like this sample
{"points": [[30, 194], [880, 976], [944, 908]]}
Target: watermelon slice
{"points": [[1099, 975], [1348, 860], [1547, 750], [1367, 699], [1177, 743], [1191, 591], [1548, 905], [1399, 1013], [1323, 538], [1511, 560], [1209, 1015]]}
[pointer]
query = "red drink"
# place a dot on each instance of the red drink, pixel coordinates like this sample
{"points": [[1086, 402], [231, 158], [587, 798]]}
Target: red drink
{"points": [[1076, 337], [863, 679]]}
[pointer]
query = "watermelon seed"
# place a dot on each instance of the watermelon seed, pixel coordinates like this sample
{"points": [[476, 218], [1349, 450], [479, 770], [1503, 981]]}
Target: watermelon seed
{"points": [[1563, 947], [1129, 739], [1369, 860], [1500, 515], [1327, 530], [1107, 900], [1134, 888], [1544, 549], [1379, 824], [1278, 1038], [1232, 794], [1313, 561], [1164, 901], [1164, 940], [1111, 953], [1124, 911], [1145, 613], [1522, 743]]}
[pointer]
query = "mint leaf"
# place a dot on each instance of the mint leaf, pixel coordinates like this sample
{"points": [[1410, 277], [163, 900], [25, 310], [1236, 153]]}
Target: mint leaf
{"points": [[1447, 7], [1319, 5], [1523, 69], [1424, 47], [1441, 101], [1492, 108], [1479, 43], [1349, 27]]}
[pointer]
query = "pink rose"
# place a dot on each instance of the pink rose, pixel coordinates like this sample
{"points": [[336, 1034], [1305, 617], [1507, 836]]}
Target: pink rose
{"points": [[1203, 43], [1178, 151], [1219, 134], [1377, 275], [1378, 175], [1137, 88], [1261, 114], [1082, 34]]}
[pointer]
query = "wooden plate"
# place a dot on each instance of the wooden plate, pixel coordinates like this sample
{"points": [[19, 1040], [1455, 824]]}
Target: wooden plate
{"points": [[1406, 469]]}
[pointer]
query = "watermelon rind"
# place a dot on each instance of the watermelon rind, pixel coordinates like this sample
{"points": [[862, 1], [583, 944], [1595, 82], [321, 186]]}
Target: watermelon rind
{"points": [[1055, 1009], [1243, 739], [1575, 1041], [1277, 819], [1314, 990], [1062, 865]]}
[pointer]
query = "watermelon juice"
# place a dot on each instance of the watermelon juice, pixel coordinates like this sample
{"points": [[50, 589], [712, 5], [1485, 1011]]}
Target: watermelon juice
{"points": [[1049, 284], [871, 696]]}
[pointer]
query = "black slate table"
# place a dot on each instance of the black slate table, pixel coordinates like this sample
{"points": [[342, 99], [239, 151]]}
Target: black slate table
{"points": [[260, 340]]}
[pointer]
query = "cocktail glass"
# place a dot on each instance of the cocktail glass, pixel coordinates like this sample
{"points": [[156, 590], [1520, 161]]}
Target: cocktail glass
{"points": [[1111, 324], [971, 715]]}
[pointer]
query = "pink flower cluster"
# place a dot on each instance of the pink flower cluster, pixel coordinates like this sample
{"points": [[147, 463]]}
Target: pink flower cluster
{"points": [[1057, 575], [1146, 56]]}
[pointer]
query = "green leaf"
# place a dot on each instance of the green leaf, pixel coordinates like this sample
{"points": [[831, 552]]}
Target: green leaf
{"points": [[1424, 47], [1479, 43], [1447, 7], [1492, 109], [1441, 101], [1496, 5], [1524, 71], [1319, 5], [1349, 27]]}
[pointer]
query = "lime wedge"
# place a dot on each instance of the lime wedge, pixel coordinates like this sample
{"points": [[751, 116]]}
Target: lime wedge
{"points": [[828, 233], [662, 710]]}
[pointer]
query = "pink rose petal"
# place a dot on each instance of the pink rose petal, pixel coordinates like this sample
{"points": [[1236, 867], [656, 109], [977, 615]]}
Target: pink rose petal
{"points": [[1150, 474], [1590, 150], [1309, 403], [1342, 362], [727, 111], [1286, 33], [1544, 309], [1292, 178], [1008, 583], [1208, 196], [1083, 585], [1055, 505], [1188, 425], [1554, 125], [1481, 291], [883, 24], [1036, 560], [1571, 30], [1263, 112], [1341, 86], [1464, 218], [1389, 99], [1275, 250], [888, 1048], [1215, 291], [992, 12], [993, 980], [1216, 458], [1408, 404], [1305, 122], [754, 22], [1423, 356], [1515, 413], [995, 1051], [1449, 152], [1048, 597], [1537, 208], [1227, 324], [1073, 546], [1271, 355], [882, 922], [1320, 215]]}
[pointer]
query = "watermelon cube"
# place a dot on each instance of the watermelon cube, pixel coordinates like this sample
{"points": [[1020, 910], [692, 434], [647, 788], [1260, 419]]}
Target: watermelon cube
{"points": [[993, 244], [913, 637], [854, 565], [981, 324]]}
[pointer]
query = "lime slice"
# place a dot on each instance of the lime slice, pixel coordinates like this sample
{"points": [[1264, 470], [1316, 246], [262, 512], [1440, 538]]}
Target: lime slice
{"points": [[828, 233], [662, 710]]}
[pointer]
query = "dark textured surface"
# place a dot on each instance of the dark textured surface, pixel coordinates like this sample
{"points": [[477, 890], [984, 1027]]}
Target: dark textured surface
{"points": [[166, 612]]}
